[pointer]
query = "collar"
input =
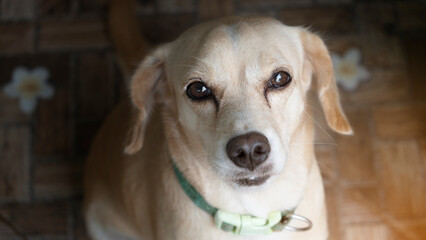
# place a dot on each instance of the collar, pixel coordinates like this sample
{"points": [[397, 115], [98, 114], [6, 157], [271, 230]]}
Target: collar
{"points": [[242, 224]]}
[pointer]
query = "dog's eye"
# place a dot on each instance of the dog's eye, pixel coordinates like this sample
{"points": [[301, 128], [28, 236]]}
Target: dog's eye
{"points": [[280, 79], [198, 91]]}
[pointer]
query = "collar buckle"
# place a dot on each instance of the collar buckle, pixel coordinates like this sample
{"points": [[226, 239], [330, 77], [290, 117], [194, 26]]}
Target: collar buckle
{"points": [[246, 224]]}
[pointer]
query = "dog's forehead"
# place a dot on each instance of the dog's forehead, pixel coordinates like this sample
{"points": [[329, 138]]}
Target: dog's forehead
{"points": [[249, 44]]}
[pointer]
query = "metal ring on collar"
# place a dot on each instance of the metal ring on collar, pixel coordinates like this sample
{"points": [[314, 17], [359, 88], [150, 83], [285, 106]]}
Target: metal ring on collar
{"points": [[292, 216]]}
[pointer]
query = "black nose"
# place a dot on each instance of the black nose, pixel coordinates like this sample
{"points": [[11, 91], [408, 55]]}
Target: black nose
{"points": [[248, 150]]}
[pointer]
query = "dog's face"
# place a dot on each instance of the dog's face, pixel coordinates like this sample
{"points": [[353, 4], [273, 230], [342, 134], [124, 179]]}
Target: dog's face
{"points": [[240, 94], [237, 90]]}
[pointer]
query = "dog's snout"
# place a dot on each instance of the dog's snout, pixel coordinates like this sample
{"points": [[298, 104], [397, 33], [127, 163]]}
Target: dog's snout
{"points": [[248, 150]]}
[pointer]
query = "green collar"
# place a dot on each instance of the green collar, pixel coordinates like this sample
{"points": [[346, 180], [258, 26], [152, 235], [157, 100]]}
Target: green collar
{"points": [[193, 194], [242, 224]]}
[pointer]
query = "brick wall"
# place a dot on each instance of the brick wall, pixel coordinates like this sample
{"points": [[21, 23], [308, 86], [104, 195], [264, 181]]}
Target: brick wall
{"points": [[42, 154]]}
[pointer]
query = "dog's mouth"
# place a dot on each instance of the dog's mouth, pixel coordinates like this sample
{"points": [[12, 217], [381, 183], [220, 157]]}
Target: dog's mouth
{"points": [[252, 181], [244, 179]]}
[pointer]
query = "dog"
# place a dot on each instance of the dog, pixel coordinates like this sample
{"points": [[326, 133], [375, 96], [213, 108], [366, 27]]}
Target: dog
{"points": [[216, 140]]}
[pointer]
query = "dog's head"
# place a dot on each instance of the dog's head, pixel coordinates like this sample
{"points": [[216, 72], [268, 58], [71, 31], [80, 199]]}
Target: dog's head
{"points": [[234, 92]]}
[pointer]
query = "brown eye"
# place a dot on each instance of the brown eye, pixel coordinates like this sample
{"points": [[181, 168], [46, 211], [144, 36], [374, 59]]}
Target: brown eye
{"points": [[280, 79], [198, 91]]}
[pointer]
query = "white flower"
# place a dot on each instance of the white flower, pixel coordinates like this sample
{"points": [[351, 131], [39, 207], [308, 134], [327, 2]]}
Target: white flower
{"points": [[349, 72], [28, 86]]}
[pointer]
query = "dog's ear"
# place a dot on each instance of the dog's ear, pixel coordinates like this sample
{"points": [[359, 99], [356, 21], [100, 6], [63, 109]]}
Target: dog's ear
{"points": [[144, 85], [318, 60]]}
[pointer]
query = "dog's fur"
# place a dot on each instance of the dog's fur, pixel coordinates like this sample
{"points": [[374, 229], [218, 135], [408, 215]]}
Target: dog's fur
{"points": [[131, 191]]}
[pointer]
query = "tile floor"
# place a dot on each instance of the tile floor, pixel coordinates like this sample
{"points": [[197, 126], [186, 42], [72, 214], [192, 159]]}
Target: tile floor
{"points": [[375, 180]]}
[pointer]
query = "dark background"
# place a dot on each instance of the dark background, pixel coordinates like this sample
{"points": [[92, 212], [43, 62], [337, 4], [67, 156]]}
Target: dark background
{"points": [[42, 155]]}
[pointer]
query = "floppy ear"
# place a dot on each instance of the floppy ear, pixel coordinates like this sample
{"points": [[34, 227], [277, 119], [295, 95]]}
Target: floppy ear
{"points": [[143, 87], [324, 82]]}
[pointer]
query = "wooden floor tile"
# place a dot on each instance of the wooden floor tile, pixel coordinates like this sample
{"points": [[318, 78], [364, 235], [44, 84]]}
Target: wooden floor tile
{"points": [[354, 156], [38, 220], [392, 86], [339, 44], [422, 145], [332, 213], [402, 178], [7, 231], [58, 180], [15, 174], [401, 121], [72, 35], [415, 51], [367, 231], [332, 19], [360, 204], [411, 15], [376, 51], [415, 228]]}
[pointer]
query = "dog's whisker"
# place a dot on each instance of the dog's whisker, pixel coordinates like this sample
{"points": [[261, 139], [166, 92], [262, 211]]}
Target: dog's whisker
{"points": [[325, 166], [313, 108], [313, 143], [319, 125]]}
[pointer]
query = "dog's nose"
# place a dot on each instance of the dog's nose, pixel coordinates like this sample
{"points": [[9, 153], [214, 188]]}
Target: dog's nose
{"points": [[248, 150]]}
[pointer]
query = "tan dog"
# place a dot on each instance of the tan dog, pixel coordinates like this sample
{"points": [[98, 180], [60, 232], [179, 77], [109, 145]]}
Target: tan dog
{"points": [[230, 112]]}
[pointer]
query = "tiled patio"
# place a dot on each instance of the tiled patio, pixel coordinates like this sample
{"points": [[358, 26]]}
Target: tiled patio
{"points": [[375, 181]]}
